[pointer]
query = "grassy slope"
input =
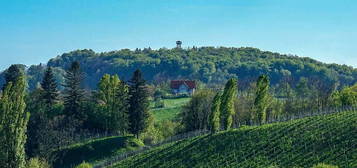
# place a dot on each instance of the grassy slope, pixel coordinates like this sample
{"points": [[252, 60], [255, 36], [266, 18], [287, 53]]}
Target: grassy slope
{"points": [[330, 139], [98, 149], [95, 150], [171, 110]]}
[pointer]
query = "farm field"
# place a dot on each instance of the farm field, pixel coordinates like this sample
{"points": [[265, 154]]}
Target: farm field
{"points": [[171, 109], [329, 139]]}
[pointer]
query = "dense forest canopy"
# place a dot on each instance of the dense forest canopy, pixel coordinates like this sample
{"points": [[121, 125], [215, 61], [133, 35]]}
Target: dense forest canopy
{"points": [[206, 64]]}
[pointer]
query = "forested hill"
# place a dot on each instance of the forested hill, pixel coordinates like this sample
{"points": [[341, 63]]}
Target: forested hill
{"points": [[207, 64]]}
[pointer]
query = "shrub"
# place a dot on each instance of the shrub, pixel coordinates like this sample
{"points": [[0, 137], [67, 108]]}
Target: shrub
{"points": [[151, 135], [37, 163], [176, 96], [322, 165], [159, 104], [167, 128], [159, 131], [84, 165]]}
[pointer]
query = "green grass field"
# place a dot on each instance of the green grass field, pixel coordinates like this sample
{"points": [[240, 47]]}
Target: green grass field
{"points": [[329, 139], [171, 110], [95, 150]]}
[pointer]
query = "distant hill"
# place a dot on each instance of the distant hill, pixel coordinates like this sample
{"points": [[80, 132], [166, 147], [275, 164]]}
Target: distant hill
{"points": [[207, 64], [329, 139]]}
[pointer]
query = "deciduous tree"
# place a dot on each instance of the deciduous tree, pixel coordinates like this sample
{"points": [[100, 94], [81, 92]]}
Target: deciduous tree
{"points": [[113, 96], [227, 104], [215, 113], [195, 114], [13, 124], [261, 101]]}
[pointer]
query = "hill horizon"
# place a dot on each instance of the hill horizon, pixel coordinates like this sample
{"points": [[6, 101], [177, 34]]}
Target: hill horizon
{"points": [[210, 65], [3, 68]]}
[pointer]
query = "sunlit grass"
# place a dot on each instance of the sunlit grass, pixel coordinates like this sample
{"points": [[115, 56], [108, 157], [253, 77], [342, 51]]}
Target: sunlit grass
{"points": [[171, 109]]}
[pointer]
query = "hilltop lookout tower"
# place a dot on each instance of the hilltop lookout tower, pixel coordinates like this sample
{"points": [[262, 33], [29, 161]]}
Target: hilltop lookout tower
{"points": [[178, 44]]}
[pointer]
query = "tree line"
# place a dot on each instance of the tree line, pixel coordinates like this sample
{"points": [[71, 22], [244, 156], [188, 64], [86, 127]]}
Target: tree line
{"points": [[220, 109], [215, 111], [116, 107]]}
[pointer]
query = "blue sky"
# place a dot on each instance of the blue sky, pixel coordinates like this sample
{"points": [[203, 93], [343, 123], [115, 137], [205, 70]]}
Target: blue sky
{"points": [[34, 31]]}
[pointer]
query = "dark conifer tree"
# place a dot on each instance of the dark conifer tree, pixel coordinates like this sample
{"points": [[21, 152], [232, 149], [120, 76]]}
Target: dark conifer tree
{"points": [[49, 86], [13, 73], [139, 104], [73, 92]]}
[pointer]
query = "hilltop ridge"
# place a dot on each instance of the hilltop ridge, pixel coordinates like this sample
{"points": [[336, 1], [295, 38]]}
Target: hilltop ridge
{"points": [[206, 64]]}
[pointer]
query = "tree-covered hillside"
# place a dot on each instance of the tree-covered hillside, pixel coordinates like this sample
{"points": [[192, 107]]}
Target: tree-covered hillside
{"points": [[207, 64]]}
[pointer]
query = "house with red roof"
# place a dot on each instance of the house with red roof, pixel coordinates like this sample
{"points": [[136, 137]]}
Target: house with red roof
{"points": [[183, 86]]}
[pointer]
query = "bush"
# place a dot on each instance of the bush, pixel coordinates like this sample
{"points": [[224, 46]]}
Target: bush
{"points": [[172, 96], [160, 131], [37, 163], [151, 135], [167, 128], [84, 165], [159, 104], [159, 93], [322, 165]]}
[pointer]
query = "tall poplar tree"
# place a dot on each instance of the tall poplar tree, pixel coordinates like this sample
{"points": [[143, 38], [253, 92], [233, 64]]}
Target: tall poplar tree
{"points": [[227, 104], [261, 101], [215, 113], [13, 124], [73, 92], [139, 104], [113, 94], [49, 86]]}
